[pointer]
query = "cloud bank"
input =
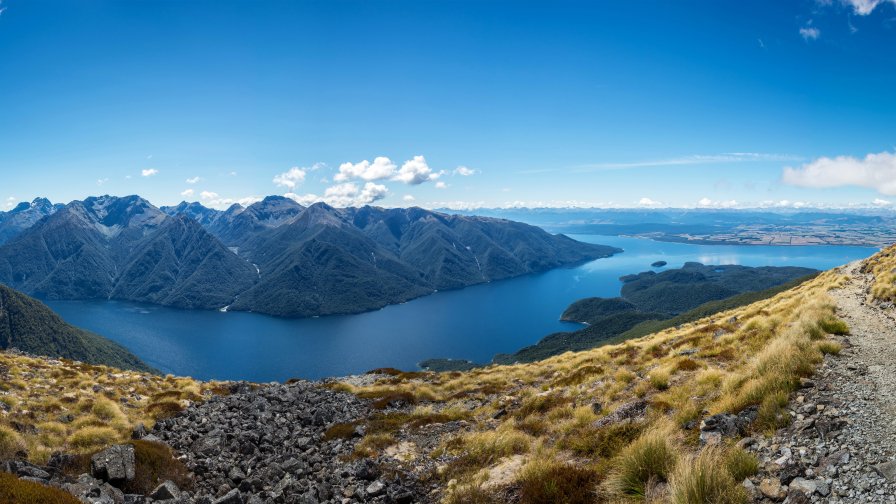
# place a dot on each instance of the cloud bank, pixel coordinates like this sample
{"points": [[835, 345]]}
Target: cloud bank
{"points": [[874, 171]]}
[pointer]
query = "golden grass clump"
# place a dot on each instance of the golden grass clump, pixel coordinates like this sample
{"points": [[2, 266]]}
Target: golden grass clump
{"points": [[547, 481], [10, 443], [92, 438], [650, 459], [706, 477], [883, 266]]}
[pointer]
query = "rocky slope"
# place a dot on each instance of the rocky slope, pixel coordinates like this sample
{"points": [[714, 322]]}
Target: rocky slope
{"points": [[840, 447]]}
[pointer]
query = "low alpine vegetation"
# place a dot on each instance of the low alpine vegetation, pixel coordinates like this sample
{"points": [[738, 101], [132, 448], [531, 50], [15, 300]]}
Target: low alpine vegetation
{"points": [[619, 421]]}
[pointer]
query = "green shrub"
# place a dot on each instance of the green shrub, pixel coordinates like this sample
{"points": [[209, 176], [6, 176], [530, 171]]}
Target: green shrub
{"points": [[741, 464], [834, 325], [340, 431], [829, 347], [772, 412], [155, 463], [16, 491], [164, 409], [604, 442], [549, 482]]}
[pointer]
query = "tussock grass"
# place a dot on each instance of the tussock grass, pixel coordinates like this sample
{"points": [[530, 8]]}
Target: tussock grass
{"points": [[77, 408], [10, 443], [546, 481], [829, 347], [883, 266], [650, 459], [706, 478], [741, 464]]}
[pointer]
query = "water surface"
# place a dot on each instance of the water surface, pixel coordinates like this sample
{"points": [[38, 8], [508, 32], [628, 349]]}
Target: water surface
{"points": [[472, 323]]}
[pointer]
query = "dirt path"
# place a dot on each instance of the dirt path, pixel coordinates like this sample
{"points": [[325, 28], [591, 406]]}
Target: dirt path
{"points": [[840, 446]]}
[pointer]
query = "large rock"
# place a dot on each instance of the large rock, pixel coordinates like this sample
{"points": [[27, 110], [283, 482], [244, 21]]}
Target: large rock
{"points": [[232, 497], [716, 427], [630, 411], [115, 465], [165, 491]]}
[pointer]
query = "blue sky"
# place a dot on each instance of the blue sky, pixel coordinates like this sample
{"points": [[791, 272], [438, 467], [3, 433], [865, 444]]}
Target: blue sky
{"points": [[465, 103]]}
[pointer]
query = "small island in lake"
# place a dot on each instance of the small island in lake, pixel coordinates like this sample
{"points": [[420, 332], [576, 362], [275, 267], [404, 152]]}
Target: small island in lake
{"points": [[658, 264]]}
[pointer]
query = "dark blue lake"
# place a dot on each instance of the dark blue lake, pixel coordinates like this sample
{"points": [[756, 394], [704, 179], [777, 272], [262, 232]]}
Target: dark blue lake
{"points": [[473, 323]]}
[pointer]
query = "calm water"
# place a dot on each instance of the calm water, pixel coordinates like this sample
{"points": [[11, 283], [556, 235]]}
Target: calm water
{"points": [[473, 323]]}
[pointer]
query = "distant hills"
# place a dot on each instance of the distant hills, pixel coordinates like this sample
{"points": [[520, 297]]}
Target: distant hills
{"points": [[28, 325], [275, 256]]}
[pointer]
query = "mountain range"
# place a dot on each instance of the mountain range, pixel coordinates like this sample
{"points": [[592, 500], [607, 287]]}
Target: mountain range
{"points": [[274, 256], [23, 216]]}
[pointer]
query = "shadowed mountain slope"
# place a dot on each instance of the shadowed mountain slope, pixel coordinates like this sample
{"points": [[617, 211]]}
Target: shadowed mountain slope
{"points": [[29, 325]]}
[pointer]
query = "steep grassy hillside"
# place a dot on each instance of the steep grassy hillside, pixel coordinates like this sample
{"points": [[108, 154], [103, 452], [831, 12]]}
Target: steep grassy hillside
{"points": [[30, 326], [618, 422]]}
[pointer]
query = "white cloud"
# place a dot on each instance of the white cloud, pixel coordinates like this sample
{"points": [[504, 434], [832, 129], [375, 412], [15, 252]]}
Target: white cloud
{"points": [[881, 202], [149, 172], [463, 171], [102, 181], [381, 168], [441, 185], [187, 193], [11, 201], [647, 202], [208, 195], [874, 171], [344, 195], [810, 33], [408, 198], [708, 203], [290, 178], [193, 180], [415, 171], [864, 7]]}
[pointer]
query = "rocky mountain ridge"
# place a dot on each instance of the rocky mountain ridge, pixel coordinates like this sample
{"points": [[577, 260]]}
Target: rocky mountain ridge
{"points": [[275, 256]]}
